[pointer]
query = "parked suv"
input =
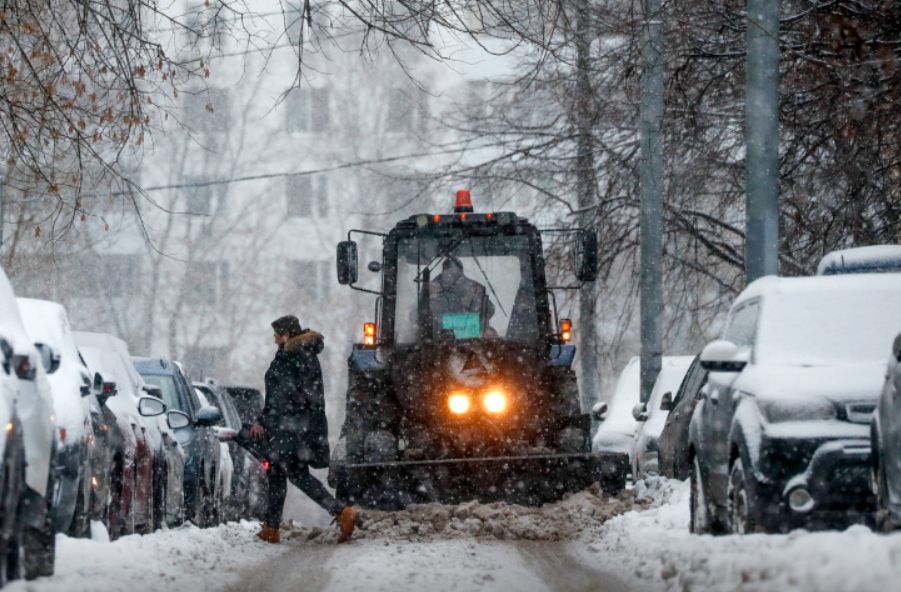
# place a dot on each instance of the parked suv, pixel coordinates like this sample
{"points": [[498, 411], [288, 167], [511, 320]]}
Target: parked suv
{"points": [[199, 439], [781, 438], [27, 451], [885, 437]]}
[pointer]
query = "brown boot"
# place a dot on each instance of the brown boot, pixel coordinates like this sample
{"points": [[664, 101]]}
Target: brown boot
{"points": [[345, 521], [270, 535]]}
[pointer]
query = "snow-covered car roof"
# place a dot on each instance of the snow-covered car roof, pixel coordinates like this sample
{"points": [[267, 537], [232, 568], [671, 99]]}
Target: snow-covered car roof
{"points": [[872, 259], [672, 371], [825, 319]]}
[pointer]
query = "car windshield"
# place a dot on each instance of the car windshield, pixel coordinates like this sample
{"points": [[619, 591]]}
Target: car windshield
{"points": [[479, 287], [839, 326], [167, 384]]}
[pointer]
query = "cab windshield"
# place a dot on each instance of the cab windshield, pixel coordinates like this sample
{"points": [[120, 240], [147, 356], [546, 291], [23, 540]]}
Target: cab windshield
{"points": [[478, 287]]}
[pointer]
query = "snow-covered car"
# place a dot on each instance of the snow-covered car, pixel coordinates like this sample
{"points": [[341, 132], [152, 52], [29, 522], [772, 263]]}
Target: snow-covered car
{"points": [[781, 437], [225, 467], [651, 416], [617, 425], [249, 483], [26, 409], [77, 411], [198, 438], [871, 259], [673, 442], [152, 473], [885, 438]]}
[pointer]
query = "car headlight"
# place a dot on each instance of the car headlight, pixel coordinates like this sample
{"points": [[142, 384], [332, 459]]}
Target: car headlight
{"points": [[808, 409], [495, 401], [458, 403]]}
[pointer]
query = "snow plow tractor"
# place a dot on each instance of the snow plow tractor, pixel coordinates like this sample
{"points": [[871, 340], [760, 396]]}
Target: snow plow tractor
{"points": [[463, 387]]}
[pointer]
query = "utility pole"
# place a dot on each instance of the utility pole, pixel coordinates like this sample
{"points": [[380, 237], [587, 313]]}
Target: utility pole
{"points": [[587, 193], [762, 140], [1, 210], [651, 186]]}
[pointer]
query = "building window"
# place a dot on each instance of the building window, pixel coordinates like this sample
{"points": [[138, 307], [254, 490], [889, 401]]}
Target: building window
{"points": [[404, 113], [311, 278], [205, 25], [307, 196], [211, 126], [307, 110], [205, 282]]}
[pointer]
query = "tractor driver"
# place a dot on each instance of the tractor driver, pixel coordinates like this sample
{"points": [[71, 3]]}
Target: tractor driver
{"points": [[452, 293]]}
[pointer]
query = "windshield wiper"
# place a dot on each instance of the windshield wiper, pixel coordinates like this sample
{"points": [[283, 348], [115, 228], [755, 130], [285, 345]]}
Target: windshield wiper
{"points": [[484, 275]]}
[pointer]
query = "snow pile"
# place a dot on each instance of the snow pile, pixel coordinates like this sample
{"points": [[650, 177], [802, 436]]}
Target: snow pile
{"points": [[498, 520], [655, 548], [186, 558]]}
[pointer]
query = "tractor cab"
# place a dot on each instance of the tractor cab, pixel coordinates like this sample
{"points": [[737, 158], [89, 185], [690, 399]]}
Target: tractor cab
{"points": [[464, 367]]}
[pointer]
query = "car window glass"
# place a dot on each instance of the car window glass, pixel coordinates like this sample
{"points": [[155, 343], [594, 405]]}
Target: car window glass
{"points": [[687, 382], [193, 401], [167, 385], [743, 326]]}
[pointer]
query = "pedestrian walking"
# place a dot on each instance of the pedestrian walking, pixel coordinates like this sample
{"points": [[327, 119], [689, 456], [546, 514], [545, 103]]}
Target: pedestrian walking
{"points": [[292, 431]]}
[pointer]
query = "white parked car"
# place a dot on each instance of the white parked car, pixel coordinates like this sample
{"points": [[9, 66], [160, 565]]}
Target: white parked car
{"points": [[73, 399], [27, 451], [617, 427], [651, 416]]}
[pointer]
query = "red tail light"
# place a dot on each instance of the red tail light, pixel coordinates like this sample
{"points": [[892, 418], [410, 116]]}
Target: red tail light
{"points": [[109, 388], [62, 433], [265, 465]]}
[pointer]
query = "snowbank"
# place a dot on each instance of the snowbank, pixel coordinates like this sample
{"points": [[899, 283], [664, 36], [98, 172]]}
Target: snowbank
{"points": [[655, 549], [186, 558]]}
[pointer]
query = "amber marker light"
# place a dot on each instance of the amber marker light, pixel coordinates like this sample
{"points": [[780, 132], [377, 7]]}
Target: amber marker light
{"points": [[495, 401], [458, 403], [369, 334], [566, 329]]}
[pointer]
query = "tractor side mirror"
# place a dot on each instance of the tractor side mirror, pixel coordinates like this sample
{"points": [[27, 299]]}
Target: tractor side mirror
{"points": [[586, 256], [49, 358], [347, 262], [666, 402], [374, 266]]}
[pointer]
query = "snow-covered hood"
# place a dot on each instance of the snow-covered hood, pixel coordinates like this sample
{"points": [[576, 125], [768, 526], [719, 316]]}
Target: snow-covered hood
{"points": [[838, 382]]}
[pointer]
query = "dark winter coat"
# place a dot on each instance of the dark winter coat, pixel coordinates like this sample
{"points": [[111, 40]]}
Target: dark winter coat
{"points": [[293, 417]]}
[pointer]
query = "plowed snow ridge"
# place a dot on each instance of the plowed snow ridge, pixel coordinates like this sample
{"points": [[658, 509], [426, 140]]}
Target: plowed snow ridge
{"points": [[550, 522]]}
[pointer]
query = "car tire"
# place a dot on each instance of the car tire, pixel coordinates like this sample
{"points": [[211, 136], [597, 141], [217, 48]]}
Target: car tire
{"points": [[81, 520], [740, 505], [12, 559], [700, 512], [40, 543], [883, 516]]}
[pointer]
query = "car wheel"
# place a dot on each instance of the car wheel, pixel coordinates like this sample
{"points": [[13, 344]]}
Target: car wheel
{"points": [[739, 502], [883, 518], [40, 544], [81, 520], [700, 517], [12, 559]]}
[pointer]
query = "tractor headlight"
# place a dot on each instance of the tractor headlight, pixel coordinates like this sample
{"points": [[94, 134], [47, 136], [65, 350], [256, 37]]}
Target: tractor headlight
{"points": [[495, 401], [458, 403]]}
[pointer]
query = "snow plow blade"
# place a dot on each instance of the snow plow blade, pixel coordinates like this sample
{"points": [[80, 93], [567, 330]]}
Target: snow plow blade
{"points": [[526, 480]]}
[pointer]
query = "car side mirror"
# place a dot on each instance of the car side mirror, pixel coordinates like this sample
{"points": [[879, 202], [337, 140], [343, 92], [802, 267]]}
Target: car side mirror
{"points": [[722, 356], [7, 350], [640, 412], [151, 407], [599, 411], [208, 416], [104, 388], [347, 262], [49, 358], [896, 348], [586, 255], [177, 420], [666, 402]]}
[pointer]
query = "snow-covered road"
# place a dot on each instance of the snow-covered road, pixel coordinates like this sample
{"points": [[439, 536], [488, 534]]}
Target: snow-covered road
{"points": [[646, 549]]}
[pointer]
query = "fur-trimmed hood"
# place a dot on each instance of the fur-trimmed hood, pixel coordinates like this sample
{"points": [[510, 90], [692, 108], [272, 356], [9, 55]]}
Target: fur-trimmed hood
{"points": [[311, 340]]}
